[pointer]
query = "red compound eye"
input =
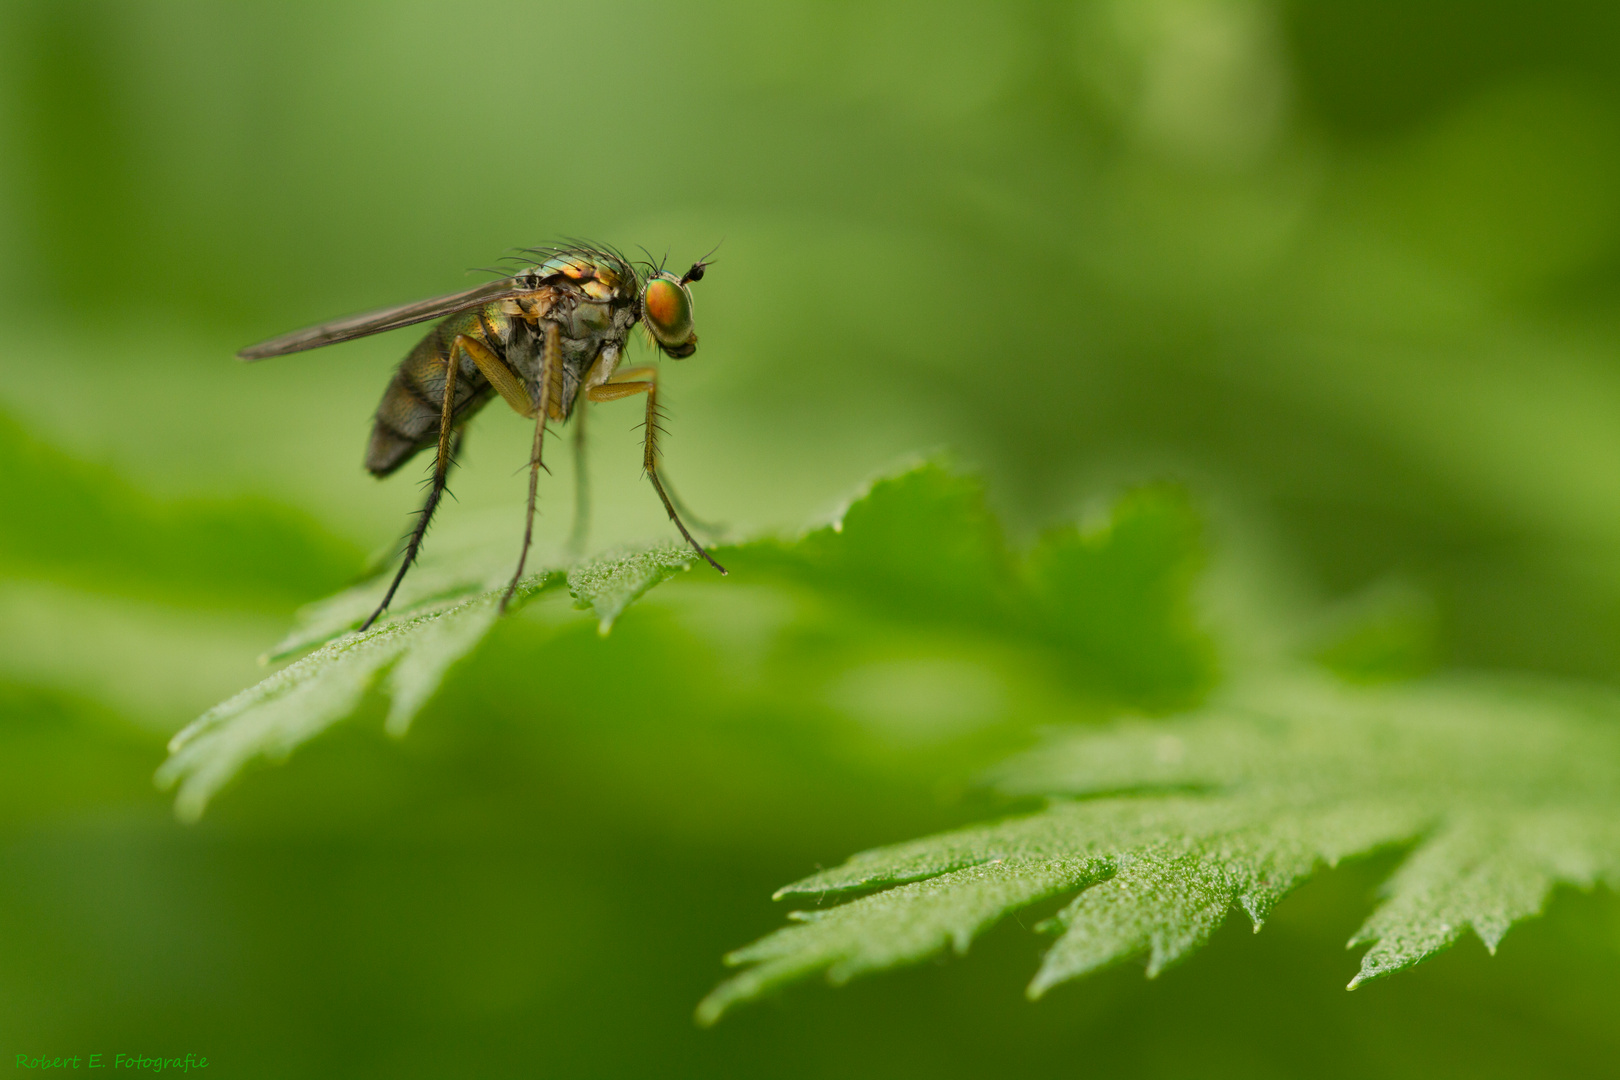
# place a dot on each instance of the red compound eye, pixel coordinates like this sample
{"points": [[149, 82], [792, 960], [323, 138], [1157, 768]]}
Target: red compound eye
{"points": [[666, 305], [668, 308]]}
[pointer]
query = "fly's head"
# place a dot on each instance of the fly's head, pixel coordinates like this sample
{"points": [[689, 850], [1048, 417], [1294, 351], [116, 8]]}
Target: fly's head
{"points": [[666, 305]]}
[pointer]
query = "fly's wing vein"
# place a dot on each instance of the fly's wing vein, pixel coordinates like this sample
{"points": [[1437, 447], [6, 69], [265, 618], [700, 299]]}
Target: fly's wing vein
{"points": [[375, 322]]}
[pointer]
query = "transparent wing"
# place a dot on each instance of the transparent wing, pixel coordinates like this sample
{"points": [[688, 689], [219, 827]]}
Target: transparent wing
{"points": [[375, 322]]}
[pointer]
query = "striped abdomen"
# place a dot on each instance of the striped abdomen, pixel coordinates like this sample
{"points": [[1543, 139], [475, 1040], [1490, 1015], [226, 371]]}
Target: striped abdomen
{"points": [[407, 419]]}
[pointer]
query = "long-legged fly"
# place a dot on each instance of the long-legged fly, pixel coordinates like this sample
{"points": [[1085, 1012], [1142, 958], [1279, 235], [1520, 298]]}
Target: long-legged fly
{"points": [[544, 339]]}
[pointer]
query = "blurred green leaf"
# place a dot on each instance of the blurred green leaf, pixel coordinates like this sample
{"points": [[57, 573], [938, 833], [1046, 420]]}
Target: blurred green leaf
{"points": [[1114, 601], [1384, 635], [1504, 789], [1118, 595], [64, 754], [77, 523]]}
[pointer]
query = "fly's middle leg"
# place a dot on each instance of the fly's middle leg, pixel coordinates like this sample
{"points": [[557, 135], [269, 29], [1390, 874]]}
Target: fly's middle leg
{"points": [[582, 490], [550, 373], [507, 383], [644, 380]]}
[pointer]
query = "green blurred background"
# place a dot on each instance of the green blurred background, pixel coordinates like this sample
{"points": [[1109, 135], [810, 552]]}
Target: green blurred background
{"points": [[1348, 269]]}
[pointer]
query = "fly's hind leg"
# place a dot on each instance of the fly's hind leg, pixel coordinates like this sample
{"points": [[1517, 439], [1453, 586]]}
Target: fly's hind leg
{"points": [[442, 461], [644, 380]]}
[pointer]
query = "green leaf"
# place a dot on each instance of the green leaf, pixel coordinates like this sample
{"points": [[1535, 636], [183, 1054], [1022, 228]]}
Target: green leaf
{"points": [[912, 553], [291, 707], [1162, 828], [442, 611], [415, 649], [1154, 830]]}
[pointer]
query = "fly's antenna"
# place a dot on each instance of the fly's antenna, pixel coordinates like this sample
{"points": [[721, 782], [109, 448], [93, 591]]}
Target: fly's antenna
{"points": [[696, 273]]}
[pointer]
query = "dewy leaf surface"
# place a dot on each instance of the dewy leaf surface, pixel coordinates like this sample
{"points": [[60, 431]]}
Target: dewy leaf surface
{"points": [[440, 614], [608, 586], [294, 705], [1503, 789]]}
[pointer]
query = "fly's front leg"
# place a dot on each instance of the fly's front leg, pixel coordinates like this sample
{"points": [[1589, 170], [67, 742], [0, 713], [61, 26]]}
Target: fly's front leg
{"points": [[550, 373], [644, 380], [607, 362]]}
